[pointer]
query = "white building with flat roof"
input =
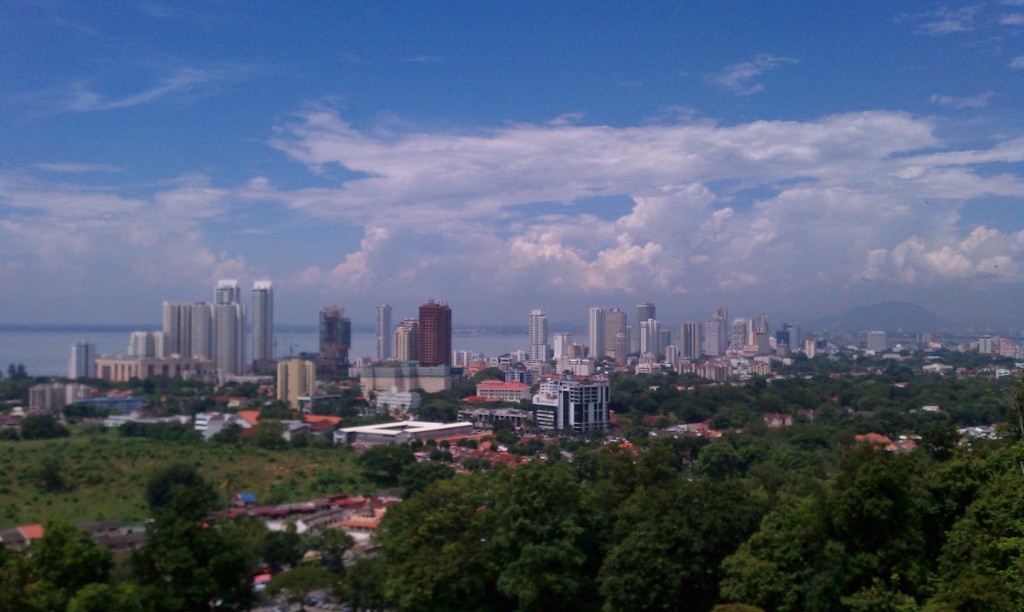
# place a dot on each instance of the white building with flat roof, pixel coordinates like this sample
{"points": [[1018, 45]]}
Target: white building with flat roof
{"points": [[400, 432]]}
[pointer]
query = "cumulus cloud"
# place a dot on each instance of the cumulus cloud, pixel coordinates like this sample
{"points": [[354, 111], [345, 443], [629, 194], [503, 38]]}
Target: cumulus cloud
{"points": [[843, 201], [739, 77]]}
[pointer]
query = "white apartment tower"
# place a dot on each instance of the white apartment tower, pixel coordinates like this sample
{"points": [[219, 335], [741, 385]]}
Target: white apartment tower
{"points": [[407, 340], [650, 337], [561, 343], [201, 332], [614, 326], [538, 335], [262, 321], [228, 328], [596, 334], [178, 328], [384, 351], [147, 344], [82, 363]]}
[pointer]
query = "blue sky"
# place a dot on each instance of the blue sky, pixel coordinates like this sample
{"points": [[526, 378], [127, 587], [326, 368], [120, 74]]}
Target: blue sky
{"points": [[790, 158]]}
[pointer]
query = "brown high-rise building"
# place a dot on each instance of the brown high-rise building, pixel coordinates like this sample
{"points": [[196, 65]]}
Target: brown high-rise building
{"points": [[435, 334]]}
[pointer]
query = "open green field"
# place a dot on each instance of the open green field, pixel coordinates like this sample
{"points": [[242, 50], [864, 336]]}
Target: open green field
{"points": [[104, 476]]}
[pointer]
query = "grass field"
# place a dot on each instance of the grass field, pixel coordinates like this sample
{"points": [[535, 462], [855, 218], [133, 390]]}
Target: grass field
{"points": [[105, 475]]}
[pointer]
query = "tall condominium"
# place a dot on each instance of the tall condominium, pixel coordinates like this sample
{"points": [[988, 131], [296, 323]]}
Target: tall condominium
{"points": [[147, 344], [716, 333], [561, 343], [228, 328], [877, 341], [262, 321], [538, 335], [82, 363], [201, 336], [650, 337], [227, 292], [690, 340], [384, 332], [295, 378], [435, 334], [407, 340], [596, 325], [578, 405], [335, 338], [645, 311], [614, 326], [178, 328], [739, 335]]}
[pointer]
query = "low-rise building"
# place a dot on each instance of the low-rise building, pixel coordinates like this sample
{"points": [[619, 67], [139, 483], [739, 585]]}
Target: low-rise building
{"points": [[579, 404], [496, 390], [400, 432]]}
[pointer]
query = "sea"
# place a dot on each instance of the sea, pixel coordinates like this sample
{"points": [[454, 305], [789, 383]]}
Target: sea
{"points": [[45, 349]]}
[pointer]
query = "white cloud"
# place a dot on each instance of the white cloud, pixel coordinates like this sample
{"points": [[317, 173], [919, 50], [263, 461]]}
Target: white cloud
{"points": [[738, 77], [949, 21], [72, 168], [845, 203], [978, 101], [1017, 62], [1012, 19], [182, 80]]}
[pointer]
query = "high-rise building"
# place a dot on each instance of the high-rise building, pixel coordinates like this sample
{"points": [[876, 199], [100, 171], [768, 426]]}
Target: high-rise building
{"points": [[877, 341], [201, 338], [572, 404], [227, 292], [596, 329], [664, 339], [759, 323], [739, 334], [562, 341], [716, 333], [384, 351], [295, 377], [229, 338], [147, 344], [228, 328], [335, 339], [82, 363], [690, 340], [435, 334], [407, 340], [645, 311], [178, 328], [262, 322], [650, 337], [614, 324], [538, 335]]}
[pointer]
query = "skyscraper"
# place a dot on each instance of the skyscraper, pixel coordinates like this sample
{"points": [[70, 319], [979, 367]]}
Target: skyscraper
{"points": [[384, 332], [645, 311], [82, 363], [227, 292], [561, 343], [178, 328], [262, 322], [538, 335], [435, 346], [614, 324], [650, 337], [229, 338], [690, 340], [716, 336], [335, 339], [407, 340], [596, 333], [739, 334], [201, 335]]}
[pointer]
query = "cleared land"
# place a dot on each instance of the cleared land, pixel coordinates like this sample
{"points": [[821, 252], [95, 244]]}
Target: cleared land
{"points": [[92, 476]]}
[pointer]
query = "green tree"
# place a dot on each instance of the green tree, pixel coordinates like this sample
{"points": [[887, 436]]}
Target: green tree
{"points": [[165, 483], [66, 559], [40, 426], [188, 563], [383, 464], [281, 548], [415, 477]]}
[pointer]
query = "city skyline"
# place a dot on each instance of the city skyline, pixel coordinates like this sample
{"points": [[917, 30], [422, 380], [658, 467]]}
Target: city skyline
{"points": [[794, 161]]}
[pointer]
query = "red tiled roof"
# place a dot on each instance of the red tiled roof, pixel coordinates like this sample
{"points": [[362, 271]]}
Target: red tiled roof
{"points": [[31, 532], [251, 416]]}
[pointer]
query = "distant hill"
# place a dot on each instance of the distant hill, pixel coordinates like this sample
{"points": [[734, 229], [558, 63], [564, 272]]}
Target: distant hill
{"points": [[886, 316]]}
